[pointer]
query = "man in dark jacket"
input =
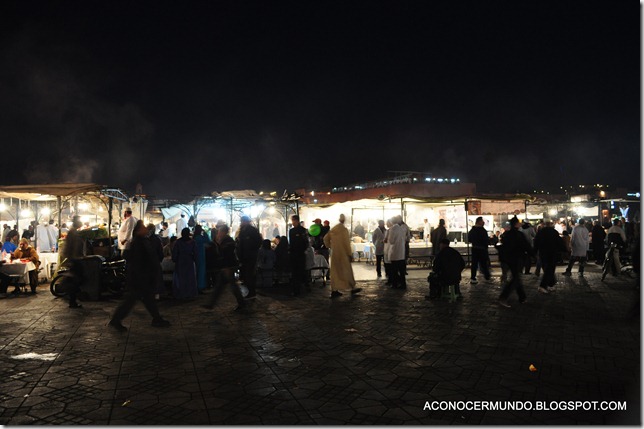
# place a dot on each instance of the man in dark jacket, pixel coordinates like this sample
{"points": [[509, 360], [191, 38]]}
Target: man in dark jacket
{"points": [[515, 247], [437, 235], [72, 252], [479, 240], [298, 242], [449, 265], [548, 243], [221, 263], [140, 277], [598, 237], [248, 243]]}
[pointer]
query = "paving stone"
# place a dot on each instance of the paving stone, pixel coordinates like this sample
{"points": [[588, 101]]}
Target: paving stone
{"points": [[294, 361]]}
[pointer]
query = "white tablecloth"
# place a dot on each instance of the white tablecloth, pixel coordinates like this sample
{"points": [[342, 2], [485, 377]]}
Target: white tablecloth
{"points": [[46, 261], [367, 250], [320, 263], [16, 267]]}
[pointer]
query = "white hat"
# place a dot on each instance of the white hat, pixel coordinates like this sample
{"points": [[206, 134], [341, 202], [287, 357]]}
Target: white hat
{"points": [[128, 209]]}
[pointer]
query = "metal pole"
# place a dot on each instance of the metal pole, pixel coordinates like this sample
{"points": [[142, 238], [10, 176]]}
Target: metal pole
{"points": [[467, 225], [60, 214], [36, 227], [18, 208], [110, 206]]}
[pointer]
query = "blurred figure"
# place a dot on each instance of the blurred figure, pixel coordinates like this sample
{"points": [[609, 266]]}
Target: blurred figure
{"points": [[378, 237], [140, 277], [437, 235], [71, 254], [182, 223], [579, 241], [359, 230], [184, 255], [46, 238], [341, 272], [224, 264], [282, 263], [157, 247], [126, 231], [548, 244], [5, 230], [201, 241], [480, 241], [514, 247], [598, 237], [448, 266], [318, 241], [426, 232], [396, 239], [298, 244], [248, 242], [11, 242], [528, 230]]}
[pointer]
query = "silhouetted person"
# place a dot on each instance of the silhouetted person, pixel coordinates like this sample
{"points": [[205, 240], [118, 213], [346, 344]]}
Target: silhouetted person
{"points": [[140, 278]]}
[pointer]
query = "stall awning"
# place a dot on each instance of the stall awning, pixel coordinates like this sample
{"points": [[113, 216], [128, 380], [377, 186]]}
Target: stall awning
{"points": [[49, 192]]}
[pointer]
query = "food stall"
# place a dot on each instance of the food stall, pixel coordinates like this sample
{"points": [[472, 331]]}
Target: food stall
{"points": [[24, 205]]}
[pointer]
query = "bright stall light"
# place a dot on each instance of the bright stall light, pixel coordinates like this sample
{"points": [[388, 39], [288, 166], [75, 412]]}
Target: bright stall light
{"points": [[553, 212], [3, 207], [46, 211], [256, 210], [83, 206], [25, 213], [85, 219], [271, 210]]}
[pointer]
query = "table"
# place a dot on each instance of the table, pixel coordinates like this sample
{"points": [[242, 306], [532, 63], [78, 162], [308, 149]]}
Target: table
{"points": [[367, 249], [18, 268]]}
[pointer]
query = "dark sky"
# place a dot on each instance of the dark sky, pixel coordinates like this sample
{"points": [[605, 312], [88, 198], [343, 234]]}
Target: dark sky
{"points": [[195, 96]]}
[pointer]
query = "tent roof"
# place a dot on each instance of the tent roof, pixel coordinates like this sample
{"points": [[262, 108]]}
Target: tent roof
{"points": [[49, 191]]}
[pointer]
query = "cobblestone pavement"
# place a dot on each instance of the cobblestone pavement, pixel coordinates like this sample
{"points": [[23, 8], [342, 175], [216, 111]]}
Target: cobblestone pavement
{"points": [[374, 358]]}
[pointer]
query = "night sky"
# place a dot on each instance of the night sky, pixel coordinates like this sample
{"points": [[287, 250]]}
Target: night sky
{"points": [[191, 97]]}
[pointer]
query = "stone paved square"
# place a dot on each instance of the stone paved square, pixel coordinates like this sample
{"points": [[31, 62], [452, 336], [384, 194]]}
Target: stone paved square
{"points": [[374, 358]]}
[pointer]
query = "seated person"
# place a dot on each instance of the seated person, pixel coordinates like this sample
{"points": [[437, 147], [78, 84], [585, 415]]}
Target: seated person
{"points": [[25, 251], [266, 256], [4, 283], [265, 263], [448, 265], [11, 242]]}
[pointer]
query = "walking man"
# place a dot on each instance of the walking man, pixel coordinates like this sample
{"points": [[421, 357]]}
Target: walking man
{"points": [[396, 239], [71, 253], [515, 248], [337, 239], [579, 241], [548, 244], [378, 237], [248, 243], [480, 241], [140, 278], [125, 232]]}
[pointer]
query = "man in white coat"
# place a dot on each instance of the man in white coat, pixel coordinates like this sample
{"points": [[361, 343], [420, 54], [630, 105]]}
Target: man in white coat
{"points": [[396, 239], [125, 232], [181, 224], [45, 238], [579, 241]]}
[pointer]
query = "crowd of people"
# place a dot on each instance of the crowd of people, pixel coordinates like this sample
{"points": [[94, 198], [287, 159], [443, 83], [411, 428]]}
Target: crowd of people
{"points": [[201, 260]]}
